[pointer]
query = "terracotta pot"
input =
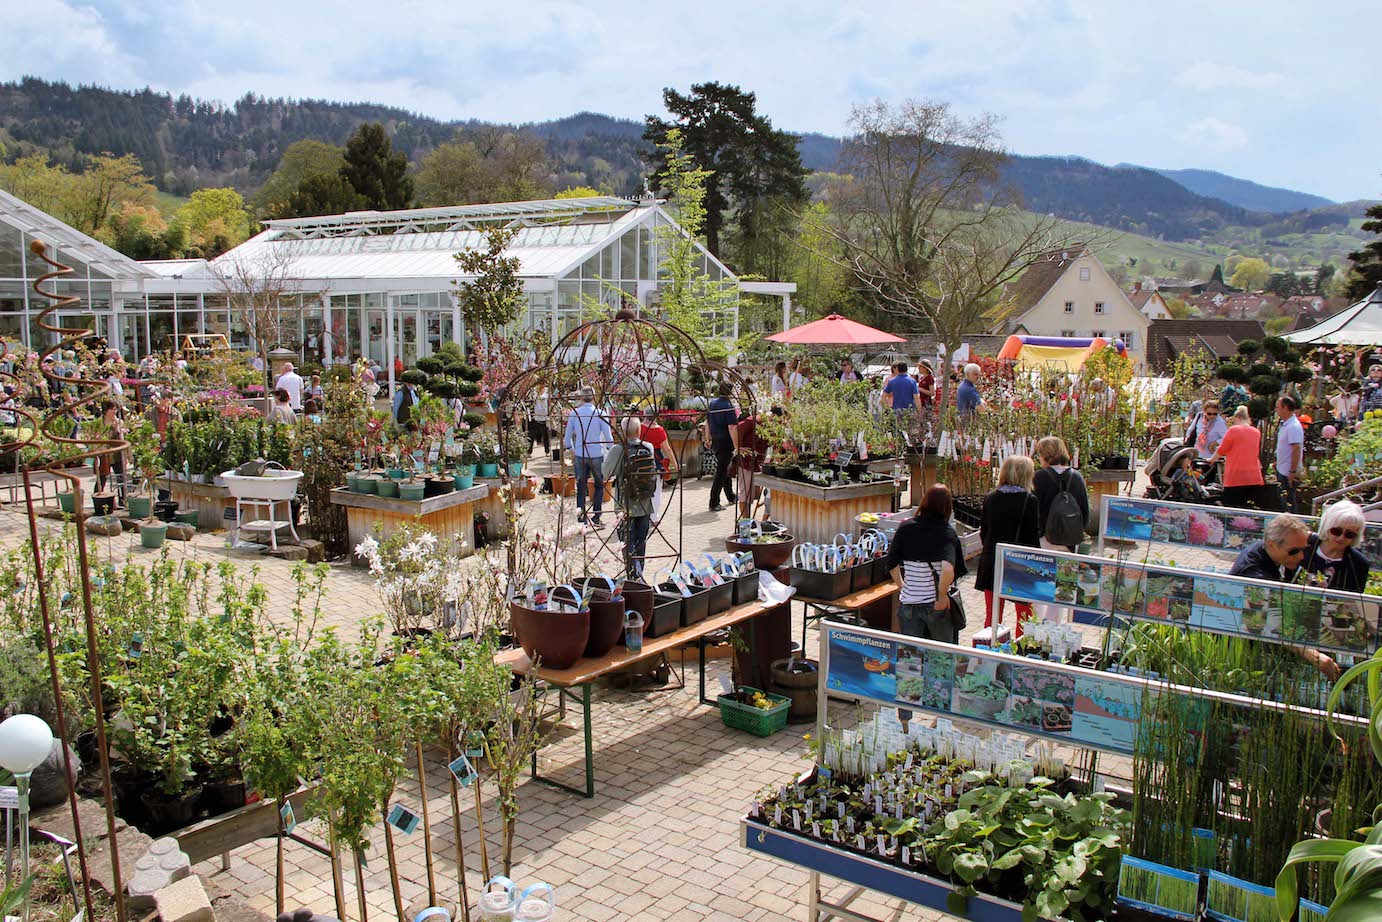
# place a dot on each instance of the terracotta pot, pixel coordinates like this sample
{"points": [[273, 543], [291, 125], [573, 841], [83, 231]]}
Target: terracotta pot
{"points": [[765, 556], [556, 639]]}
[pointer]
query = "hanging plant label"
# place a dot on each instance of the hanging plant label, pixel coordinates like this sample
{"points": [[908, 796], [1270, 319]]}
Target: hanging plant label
{"points": [[403, 819], [136, 645], [290, 820], [463, 771]]}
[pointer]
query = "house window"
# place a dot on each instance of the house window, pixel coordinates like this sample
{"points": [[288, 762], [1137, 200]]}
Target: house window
{"points": [[1067, 333], [1097, 334], [1126, 337], [1084, 275], [1070, 307], [1098, 307]]}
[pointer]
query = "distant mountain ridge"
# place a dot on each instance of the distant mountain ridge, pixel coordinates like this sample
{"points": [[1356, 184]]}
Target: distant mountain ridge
{"points": [[1241, 192], [187, 144]]}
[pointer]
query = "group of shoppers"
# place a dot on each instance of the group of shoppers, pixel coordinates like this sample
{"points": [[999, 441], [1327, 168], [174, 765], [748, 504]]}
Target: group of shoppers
{"points": [[1238, 443]]}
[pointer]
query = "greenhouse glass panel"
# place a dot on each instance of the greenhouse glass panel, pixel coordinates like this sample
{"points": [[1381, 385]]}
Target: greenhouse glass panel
{"points": [[628, 255], [11, 252]]}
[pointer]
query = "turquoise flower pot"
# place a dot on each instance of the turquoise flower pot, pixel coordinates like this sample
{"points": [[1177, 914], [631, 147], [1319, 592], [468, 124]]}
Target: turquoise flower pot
{"points": [[515, 468], [464, 481], [388, 488], [412, 491], [488, 470]]}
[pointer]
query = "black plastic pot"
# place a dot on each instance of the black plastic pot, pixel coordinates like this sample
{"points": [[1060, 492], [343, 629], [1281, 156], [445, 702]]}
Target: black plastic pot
{"points": [[1115, 463], [223, 796], [667, 610], [694, 608], [103, 503], [746, 588], [169, 813], [720, 598], [816, 585], [165, 510], [880, 570], [861, 576]]}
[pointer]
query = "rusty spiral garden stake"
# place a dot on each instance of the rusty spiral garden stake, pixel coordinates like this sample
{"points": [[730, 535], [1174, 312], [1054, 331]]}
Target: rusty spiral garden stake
{"points": [[85, 449], [41, 579]]}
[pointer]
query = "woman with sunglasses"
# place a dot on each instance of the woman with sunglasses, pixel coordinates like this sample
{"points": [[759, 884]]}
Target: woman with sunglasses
{"points": [[1333, 551]]}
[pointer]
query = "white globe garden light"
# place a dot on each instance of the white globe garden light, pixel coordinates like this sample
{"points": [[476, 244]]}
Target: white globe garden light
{"points": [[25, 742]]}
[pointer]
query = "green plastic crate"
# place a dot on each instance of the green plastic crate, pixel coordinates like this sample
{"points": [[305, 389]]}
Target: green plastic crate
{"points": [[739, 716]]}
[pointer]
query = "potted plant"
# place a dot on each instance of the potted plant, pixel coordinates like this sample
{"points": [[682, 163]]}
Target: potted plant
{"points": [[148, 461], [487, 454], [770, 550], [517, 445], [552, 629]]}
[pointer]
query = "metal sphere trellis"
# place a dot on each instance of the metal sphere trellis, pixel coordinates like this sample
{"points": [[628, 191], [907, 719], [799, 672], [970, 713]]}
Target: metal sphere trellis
{"points": [[635, 366]]}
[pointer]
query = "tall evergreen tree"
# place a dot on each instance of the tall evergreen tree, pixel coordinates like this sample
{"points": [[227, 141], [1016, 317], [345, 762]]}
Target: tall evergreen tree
{"points": [[375, 171], [1367, 262], [753, 163]]}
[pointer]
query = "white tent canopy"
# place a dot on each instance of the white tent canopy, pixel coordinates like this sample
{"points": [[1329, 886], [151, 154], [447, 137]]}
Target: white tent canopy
{"points": [[1358, 325]]}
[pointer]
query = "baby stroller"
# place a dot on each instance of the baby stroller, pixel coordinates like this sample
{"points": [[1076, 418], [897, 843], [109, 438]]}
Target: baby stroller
{"points": [[1167, 458]]}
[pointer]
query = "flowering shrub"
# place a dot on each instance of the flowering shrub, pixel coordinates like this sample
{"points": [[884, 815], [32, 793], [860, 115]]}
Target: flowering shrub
{"points": [[418, 577]]}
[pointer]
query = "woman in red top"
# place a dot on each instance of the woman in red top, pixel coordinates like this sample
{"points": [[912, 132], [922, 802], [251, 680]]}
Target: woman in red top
{"points": [[926, 385], [655, 435], [1241, 450], [750, 450]]}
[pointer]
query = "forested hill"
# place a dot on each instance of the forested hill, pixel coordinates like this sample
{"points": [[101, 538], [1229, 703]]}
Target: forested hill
{"points": [[1242, 192], [186, 144]]}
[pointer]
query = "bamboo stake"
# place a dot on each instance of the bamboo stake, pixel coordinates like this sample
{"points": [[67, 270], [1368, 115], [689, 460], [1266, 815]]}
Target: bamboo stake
{"points": [[360, 884], [480, 824], [393, 870], [460, 846], [426, 829], [337, 883], [278, 887]]}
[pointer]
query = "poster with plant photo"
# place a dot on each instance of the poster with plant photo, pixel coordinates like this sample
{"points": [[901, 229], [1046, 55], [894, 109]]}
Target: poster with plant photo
{"points": [[862, 665], [1046, 577]]}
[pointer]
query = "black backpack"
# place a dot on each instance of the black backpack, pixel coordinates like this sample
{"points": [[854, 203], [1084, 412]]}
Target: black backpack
{"points": [[1064, 521], [639, 473], [405, 407]]}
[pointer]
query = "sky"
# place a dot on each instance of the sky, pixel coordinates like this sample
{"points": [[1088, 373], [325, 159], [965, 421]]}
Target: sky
{"points": [[1269, 90]]}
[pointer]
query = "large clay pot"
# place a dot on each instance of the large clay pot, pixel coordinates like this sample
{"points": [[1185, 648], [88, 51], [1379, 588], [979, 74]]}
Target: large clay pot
{"points": [[555, 639], [765, 556], [606, 618], [639, 597]]}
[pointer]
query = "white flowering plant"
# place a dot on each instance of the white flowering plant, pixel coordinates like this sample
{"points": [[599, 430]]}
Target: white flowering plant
{"points": [[420, 579]]}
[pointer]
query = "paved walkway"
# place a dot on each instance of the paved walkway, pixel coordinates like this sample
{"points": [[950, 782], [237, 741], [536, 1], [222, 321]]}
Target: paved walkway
{"points": [[658, 842]]}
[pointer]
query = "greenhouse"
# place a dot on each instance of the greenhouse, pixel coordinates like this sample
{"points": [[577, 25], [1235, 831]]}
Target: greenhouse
{"points": [[373, 284]]}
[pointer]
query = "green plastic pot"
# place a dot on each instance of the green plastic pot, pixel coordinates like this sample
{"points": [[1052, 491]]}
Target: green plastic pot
{"points": [[353, 482], [515, 468], [189, 517], [412, 491], [388, 488], [465, 481], [152, 535], [488, 470], [141, 507], [369, 484], [465, 470], [67, 502], [396, 473]]}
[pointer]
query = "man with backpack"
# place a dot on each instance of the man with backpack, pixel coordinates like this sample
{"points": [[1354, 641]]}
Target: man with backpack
{"points": [[632, 466]]}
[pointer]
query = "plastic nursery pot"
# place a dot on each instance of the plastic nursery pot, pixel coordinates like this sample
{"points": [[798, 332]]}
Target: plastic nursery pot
{"points": [[395, 473], [67, 502], [412, 491], [438, 486], [668, 613], [746, 588], [368, 484], [387, 487], [169, 813], [765, 556], [153, 534], [694, 608], [465, 470], [189, 517], [606, 616], [103, 504], [141, 507], [352, 480], [465, 481], [488, 470], [515, 468], [719, 598]]}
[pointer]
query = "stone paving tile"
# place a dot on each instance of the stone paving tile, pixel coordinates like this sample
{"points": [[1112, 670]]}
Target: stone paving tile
{"points": [[658, 841]]}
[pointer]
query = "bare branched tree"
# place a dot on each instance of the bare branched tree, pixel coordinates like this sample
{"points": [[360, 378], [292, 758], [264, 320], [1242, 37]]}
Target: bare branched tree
{"points": [[266, 298], [926, 225]]}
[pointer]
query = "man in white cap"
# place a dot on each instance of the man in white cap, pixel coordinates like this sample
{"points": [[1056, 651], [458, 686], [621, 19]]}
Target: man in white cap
{"points": [[587, 435]]}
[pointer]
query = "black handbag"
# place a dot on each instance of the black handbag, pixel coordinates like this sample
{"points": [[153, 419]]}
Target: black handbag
{"points": [[957, 605]]}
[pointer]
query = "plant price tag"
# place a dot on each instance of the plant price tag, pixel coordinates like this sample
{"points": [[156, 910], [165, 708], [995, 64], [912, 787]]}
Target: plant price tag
{"points": [[464, 772], [726, 686], [680, 583], [290, 820], [403, 819], [136, 645]]}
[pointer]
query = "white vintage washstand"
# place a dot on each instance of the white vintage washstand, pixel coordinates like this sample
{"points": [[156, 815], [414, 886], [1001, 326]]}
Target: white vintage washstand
{"points": [[262, 495]]}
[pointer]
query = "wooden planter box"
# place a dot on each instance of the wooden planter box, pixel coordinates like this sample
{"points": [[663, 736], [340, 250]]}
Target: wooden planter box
{"points": [[451, 514], [685, 445], [213, 503]]}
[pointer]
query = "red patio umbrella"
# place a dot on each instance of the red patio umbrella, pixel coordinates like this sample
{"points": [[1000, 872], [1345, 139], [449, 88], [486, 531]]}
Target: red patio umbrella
{"points": [[834, 331]]}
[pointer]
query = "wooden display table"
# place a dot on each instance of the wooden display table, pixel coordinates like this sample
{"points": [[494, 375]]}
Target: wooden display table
{"points": [[875, 605], [210, 501], [816, 514], [451, 514], [1104, 483], [586, 671]]}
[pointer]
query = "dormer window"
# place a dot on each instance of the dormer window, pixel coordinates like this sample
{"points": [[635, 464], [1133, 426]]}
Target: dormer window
{"points": [[1084, 275]]}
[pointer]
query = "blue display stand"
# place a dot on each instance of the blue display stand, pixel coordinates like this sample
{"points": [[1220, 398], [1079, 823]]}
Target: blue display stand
{"points": [[865, 873]]}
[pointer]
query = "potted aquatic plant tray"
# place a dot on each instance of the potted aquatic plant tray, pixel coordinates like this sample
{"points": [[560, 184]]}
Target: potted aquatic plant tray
{"points": [[1230, 899], [1158, 889]]}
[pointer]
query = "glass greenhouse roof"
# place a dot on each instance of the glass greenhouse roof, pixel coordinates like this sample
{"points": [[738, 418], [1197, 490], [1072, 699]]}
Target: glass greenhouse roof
{"points": [[72, 244]]}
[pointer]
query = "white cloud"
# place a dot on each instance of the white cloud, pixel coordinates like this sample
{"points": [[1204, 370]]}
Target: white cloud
{"points": [[1213, 134], [1205, 76], [63, 41]]}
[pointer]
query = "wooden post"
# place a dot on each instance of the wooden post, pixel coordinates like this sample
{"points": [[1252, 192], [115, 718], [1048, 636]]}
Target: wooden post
{"points": [[426, 828], [360, 885], [337, 883], [278, 889], [480, 824], [460, 847], [393, 870]]}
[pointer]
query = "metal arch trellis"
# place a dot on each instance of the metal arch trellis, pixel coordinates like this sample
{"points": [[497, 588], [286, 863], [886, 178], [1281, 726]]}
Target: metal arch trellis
{"points": [[85, 449], [633, 364]]}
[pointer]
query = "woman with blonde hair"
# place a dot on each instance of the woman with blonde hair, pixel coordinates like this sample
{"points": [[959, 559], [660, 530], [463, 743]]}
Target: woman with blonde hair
{"points": [[1333, 551], [1010, 516]]}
